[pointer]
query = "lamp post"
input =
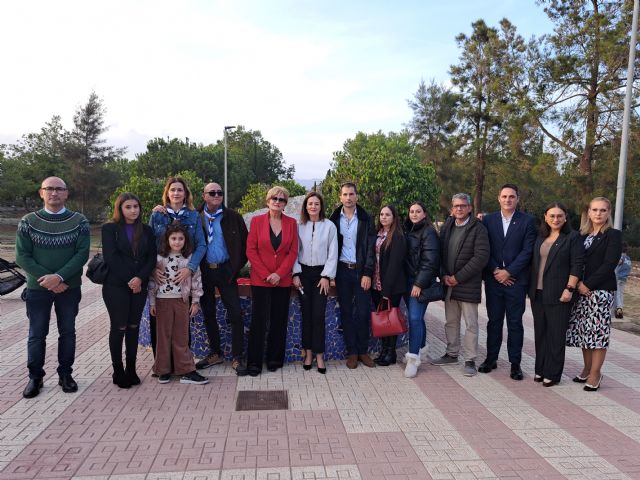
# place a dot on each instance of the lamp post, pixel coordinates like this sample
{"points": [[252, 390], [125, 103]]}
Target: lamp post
{"points": [[226, 129]]}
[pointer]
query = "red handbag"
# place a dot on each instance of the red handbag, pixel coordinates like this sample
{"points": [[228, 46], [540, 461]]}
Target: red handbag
{"points": [[388, 322]]}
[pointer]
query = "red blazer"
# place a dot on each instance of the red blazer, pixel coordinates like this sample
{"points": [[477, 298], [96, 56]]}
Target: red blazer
{"points": [[264, 260]]}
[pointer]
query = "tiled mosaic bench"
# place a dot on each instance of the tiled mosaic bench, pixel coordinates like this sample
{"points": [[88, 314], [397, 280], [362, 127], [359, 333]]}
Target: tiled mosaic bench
{"points": [[334, 344]]}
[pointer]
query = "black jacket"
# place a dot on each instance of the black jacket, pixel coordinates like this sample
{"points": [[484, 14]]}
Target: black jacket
{"points": [[470, 259], [565, 258], [365, 240], [119, 257], [392, 276], [234, 231], [601, 259], [423, 253]]}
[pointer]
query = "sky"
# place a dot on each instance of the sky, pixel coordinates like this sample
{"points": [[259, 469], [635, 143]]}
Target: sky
{"points": [[308, 74]]}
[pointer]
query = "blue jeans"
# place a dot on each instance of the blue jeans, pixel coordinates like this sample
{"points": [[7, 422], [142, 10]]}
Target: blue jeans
{"points": [[510, 302], [355, 326], [39, 303], [417, 327]]}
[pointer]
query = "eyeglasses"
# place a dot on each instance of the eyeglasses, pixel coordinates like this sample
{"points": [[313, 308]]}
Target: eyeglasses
{"points": [[215, 193], [279, 199], [460, 206], [54, 189]]}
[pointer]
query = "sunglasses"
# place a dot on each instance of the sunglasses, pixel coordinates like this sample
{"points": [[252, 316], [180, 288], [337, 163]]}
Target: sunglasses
{"points": [[279, 199], [215, 193]]}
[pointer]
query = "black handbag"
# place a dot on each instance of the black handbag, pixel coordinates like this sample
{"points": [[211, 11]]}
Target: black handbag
{"points": [[432, 293], [97, 270]]}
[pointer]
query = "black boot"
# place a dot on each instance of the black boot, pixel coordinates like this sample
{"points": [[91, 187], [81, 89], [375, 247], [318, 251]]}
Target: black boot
{"points": [[389, 357], [131, 348], [131, 374], [383, 351], [119, 377]]}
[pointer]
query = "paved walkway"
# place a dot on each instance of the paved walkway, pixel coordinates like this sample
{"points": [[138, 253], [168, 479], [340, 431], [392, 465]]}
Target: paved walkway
{"points": [[360, 424]]}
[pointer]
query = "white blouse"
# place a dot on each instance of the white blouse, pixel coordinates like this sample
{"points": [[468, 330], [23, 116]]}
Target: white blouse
{"points": [[318, 245]]}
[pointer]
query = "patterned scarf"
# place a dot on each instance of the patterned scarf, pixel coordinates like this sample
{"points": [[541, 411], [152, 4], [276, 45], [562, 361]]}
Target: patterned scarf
{"points": [[212, 217], [177, 216]]}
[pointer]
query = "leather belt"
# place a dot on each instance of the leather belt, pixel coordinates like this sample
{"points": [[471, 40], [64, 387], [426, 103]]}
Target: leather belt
{"points": [[215, 266], [349, 265]]}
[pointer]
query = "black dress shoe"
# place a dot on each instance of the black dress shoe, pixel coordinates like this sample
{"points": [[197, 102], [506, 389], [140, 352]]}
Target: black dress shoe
{"points": [[579, 379], [487, 366], [549, 383], [243, 371], [516, 372], [68, 384], [33, 388]]}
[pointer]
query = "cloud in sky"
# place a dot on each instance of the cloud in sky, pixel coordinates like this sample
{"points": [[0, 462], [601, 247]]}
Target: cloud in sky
{"points": [[308, 75]]}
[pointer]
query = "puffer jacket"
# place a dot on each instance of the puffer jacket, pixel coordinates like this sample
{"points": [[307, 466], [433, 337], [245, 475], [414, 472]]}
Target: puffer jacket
{"points": [[422, 261], [190, 287], [470, 259]]}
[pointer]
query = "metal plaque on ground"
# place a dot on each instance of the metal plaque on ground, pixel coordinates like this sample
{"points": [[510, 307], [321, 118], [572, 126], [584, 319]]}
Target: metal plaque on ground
{"points": [[262, 400]]}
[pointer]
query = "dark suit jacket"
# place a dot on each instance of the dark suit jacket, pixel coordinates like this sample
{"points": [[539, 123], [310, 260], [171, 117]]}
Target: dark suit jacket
{"points": [[118, 255], [565, 258], [513, 251], [264, 259], [365, 240], [601, 260]]}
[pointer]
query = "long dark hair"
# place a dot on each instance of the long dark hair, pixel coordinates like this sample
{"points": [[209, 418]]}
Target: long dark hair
{"points": [[408, 224], [395, 225], [165, 248], [304, 215], [118, 218], [545, 230]]}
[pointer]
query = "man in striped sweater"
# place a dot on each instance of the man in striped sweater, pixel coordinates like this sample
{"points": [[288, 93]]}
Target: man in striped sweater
{"points": [[52, 246]]}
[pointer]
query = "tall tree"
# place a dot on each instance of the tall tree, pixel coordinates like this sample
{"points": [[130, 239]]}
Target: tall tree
{"points": [[488, 76], [88, 155], [580, 80]]}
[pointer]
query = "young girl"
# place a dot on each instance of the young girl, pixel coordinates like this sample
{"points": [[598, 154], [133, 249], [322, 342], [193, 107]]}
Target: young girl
{"points": [[169, 302]]}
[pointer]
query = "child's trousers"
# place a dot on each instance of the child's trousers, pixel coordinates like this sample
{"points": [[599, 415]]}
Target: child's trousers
{"points": [[172, 316]]}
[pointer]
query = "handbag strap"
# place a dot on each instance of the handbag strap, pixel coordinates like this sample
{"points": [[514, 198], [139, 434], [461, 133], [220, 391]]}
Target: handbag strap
{"points": [[384, 299]]}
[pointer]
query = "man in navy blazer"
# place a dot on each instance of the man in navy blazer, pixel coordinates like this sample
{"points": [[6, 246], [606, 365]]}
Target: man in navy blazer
{"points": [[506, 277]]}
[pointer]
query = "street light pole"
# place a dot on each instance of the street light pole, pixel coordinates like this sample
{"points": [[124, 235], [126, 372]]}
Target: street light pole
{"points": [[226, 129], [624, 143]]}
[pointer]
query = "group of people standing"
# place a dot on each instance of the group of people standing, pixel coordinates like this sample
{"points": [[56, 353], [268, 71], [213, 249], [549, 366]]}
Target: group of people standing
{"points": [[179, 260]]}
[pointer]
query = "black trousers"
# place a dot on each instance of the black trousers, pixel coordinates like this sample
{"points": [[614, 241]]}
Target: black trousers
{"points": [[550, 323], [270, 306], [125, 311], [222, 279], [313, 305]]}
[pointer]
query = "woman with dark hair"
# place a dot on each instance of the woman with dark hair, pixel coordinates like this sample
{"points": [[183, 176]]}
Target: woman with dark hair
{"points": [[590, 323], [389, 282], [422, 265], [177, 207], [272, 249], [556, 267], [129, 250], [314, 269]]}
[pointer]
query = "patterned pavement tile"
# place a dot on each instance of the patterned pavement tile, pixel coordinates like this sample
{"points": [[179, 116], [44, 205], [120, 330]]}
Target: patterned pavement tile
{"points": [[255, 451], [320, 449], [586, 467], [319, 422], [328, 472], [440, 446], [395, 471], [366, 418], [462, 469], [390, 447]]}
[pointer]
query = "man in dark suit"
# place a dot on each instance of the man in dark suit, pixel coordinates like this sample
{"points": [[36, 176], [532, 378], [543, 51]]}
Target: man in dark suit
{"points": [[506, 277]]}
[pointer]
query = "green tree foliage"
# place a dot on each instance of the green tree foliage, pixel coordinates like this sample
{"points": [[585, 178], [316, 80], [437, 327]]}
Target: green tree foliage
{"points": [[87, 156], [256, 194], [149, 190], [386, 169], [579, 78]]}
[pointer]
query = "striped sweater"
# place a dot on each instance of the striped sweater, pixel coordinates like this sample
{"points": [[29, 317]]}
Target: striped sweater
{"points": [[47, 243]]}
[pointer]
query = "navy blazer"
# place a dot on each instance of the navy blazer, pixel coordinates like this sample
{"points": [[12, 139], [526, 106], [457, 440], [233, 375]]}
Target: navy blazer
{"points": [[512, 252], [601, 259]]}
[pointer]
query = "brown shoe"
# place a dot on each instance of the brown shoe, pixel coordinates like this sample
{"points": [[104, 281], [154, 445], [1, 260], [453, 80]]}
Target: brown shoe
{"points": [[235, 364], [366, 359], [210, 361], [352, 361]]}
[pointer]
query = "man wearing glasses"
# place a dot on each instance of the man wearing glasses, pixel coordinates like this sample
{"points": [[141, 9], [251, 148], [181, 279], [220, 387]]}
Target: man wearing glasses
{"points": [[226, 236], [52, 246], [464, 246], [356, 243]]}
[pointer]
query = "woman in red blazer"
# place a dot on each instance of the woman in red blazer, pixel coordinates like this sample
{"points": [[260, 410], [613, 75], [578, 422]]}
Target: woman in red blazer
{"points": [[272, 249]]}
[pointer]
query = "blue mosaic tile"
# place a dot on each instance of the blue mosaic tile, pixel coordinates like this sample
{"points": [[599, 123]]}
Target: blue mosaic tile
{"points": [[334, 343]]}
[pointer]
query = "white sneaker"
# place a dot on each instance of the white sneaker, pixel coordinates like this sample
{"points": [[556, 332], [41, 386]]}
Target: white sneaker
{"points": [[413, 362]]}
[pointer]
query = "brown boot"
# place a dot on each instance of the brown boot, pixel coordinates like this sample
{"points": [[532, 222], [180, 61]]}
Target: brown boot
{"points": [[366, 359], [352, 361]]}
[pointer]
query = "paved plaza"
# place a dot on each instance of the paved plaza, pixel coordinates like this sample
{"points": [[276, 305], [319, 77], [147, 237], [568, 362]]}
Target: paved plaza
{"points": [[369, 424]]}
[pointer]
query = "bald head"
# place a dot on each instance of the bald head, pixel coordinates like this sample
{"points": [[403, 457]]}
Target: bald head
{"points": [[213, 196], [53, 192]]}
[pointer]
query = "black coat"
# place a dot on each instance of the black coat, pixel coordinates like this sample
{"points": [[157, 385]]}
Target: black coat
{"points": [[235, 233], [122, 262], [365, 240], [392, 275], [565, 258], [601, 259], [470, 259], [423, 253]]}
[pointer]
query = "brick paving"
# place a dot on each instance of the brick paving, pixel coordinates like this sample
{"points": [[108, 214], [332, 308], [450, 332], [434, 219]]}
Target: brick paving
{"points": [[363, 424]]}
